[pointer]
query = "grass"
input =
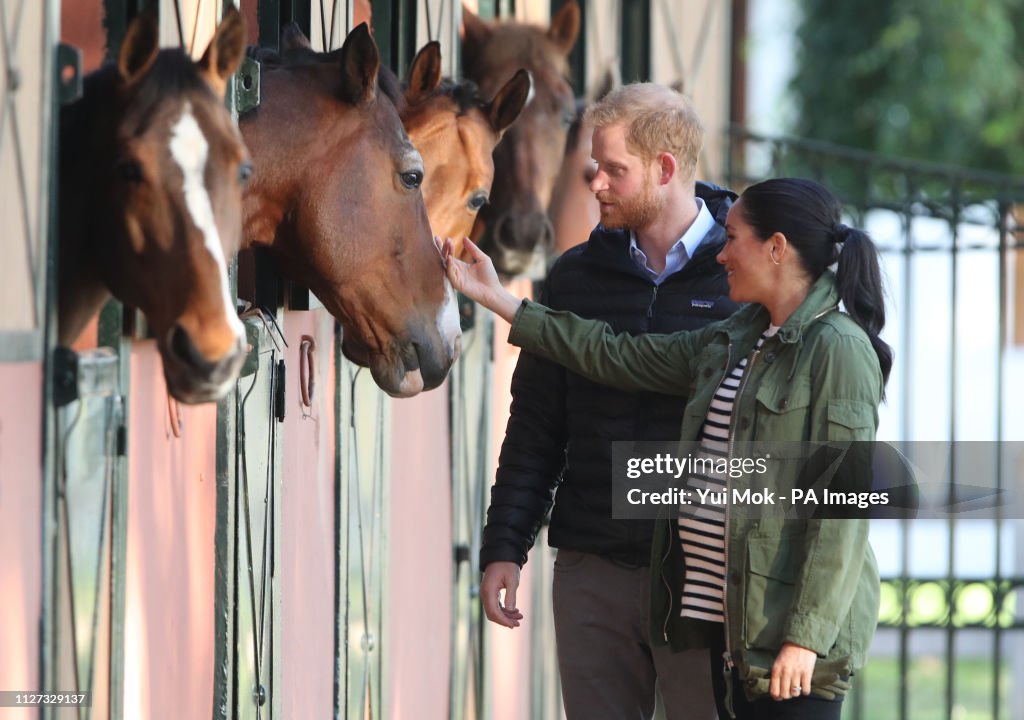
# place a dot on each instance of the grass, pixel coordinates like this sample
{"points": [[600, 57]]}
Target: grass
{"points": [[879, 689]]}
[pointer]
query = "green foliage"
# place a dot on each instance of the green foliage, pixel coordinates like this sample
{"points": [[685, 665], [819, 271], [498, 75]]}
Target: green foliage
{"points": [[934, 80]]}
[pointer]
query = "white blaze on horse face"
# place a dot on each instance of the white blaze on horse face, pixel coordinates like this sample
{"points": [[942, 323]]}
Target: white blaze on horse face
{"points": [[190, 149], [448, 323]]}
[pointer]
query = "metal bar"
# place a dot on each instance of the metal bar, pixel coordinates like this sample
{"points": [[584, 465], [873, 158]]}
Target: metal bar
{"points": [[268, 17], [635, 31], [1003, 269], [951, 536], [301, 13], [383, 21]]}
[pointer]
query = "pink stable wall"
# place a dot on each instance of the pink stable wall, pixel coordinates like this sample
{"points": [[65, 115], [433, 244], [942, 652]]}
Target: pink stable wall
{"points": [[169, 637], [21, 512], [306, 567], [508, 652], [418, 622]]}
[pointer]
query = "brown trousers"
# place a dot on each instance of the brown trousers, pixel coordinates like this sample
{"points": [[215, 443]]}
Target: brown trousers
{"points": [[609, 669]]}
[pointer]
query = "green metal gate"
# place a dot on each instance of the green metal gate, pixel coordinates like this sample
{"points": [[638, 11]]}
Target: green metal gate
{"points": [[950, 642]]}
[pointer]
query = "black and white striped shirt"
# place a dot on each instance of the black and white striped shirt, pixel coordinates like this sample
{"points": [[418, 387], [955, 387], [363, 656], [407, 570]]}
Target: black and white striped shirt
{"points": [[702, 525]]}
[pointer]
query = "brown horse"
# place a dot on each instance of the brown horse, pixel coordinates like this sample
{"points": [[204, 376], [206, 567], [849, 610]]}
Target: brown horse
{"points": [[527, 160], [574, 209], [151, 175], [455, 132], [335, 198]]}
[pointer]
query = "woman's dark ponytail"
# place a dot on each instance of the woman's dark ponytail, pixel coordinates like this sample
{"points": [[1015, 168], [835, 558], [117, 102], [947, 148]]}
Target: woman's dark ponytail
{"points": [[859, 281], [808, 215]]}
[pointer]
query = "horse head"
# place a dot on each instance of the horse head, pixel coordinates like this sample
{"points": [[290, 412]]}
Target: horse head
{"points": [[527, 160], [335, 197], [455, 132], [152, 169]]}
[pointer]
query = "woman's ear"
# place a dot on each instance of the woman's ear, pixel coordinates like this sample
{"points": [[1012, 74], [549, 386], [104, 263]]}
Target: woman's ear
{"points": [[779, 246]]}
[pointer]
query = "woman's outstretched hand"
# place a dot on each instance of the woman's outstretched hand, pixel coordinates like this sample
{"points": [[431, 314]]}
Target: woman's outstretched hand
{"points": [[478, 280]]}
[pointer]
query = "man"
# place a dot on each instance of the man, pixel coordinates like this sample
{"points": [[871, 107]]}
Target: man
{"points": [[649, 266]]}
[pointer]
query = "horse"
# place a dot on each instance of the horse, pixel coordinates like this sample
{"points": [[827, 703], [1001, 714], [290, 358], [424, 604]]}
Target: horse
{"points": [[456, 132], [335, 199], [526, 161], [152, 169], [574, 209]]}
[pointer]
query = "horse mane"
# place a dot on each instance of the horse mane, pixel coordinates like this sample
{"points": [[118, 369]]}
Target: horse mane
{"points": [[387, 82]]}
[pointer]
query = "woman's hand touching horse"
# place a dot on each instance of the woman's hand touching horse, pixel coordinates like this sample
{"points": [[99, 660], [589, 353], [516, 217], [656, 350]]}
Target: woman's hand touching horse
{"points": [[478, 280]]}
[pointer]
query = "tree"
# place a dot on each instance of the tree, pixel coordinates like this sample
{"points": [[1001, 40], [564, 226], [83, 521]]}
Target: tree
{"points": [[935, 80]]}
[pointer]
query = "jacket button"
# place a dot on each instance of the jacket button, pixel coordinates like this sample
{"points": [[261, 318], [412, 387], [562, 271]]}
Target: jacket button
{"points": [[734, 578], [707, 372], [744, 423], [769, 358], [783, 403]]}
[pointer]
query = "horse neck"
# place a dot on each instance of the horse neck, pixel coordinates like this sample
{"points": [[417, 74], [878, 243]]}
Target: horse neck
{"points": [[86, 151]]}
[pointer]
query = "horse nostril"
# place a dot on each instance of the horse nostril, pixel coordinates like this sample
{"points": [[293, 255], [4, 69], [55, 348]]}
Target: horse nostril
{"points": [[185, 351]]}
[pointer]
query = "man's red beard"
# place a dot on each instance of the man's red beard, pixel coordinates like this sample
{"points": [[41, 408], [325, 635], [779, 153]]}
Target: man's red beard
{"points": [[636, 211]]}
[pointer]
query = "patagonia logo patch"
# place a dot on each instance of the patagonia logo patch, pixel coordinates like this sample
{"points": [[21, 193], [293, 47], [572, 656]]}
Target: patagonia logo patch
{"points": [[702, 304]]}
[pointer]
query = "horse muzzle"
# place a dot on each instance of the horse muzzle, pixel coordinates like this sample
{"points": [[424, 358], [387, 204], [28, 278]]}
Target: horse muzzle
{"points": [[193, 378]]}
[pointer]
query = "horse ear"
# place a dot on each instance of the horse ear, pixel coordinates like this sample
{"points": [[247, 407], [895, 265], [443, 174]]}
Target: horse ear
{"points": [[476, 30], [509, 102], [565, 27], [360, 62], [292, 38], [607, 81], [225, 51], [140, 46], [425, 72]]}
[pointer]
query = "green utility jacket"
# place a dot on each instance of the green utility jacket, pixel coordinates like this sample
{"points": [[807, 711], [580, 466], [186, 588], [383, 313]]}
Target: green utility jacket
{"points": [[813, 582]]}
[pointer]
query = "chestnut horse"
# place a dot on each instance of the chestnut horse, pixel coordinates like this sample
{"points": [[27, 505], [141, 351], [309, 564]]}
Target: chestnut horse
{"points": [[527, 160], [455, 132], [335, 198], [151, 175]]}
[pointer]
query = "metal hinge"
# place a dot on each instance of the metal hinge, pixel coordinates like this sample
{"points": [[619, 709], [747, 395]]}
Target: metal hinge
{"points": [[69, 73], [247, 86]]}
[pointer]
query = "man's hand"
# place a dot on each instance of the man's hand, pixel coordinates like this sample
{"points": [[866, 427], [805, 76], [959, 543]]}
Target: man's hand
{"points": [[791, 673], [500, 576]]}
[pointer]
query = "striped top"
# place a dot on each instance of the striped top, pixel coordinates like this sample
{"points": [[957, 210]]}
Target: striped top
{"points": [[702, 524]]}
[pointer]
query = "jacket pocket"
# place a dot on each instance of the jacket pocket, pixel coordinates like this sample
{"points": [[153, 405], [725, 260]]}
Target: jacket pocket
{"points": [[850, 420], [566, 560], [773, 566], [782, 410]]}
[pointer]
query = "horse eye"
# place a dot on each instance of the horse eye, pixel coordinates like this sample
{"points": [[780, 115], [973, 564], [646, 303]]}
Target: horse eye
{"points": [[477, 201], [244, 172], [130, 170], [412, 179]]}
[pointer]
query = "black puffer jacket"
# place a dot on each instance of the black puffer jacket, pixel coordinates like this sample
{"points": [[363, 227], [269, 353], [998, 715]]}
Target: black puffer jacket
{"points": [[561, 426]]}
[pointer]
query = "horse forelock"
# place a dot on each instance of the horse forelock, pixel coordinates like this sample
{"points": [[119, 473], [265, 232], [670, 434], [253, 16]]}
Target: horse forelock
{"points": [[465, 94], [173, 75]]}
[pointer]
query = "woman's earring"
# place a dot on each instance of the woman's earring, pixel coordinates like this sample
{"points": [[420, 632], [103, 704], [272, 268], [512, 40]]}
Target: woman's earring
{"points": [[772, 253]]}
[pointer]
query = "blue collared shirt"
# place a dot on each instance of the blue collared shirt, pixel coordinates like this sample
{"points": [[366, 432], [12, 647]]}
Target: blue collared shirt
{"points": [[681, 251]]}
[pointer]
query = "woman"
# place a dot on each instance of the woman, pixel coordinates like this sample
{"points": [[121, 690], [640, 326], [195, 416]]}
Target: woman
{"points": [[788, 607]]}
